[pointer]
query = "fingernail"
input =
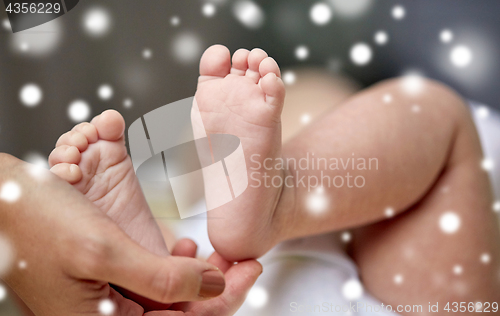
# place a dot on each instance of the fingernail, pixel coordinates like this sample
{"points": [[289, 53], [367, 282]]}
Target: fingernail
{"points": [[212, 283]]}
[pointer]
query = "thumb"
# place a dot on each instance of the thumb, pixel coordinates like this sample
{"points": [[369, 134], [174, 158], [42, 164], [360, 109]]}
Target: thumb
{"points": [[162, 279]]}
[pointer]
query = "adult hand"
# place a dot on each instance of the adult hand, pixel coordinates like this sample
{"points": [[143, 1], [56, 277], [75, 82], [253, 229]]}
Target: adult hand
{"points": [[72, 251], [239, 279]]}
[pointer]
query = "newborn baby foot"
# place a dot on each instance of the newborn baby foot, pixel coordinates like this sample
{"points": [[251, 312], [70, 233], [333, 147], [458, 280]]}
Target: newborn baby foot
{"points": [[244, 98], [93, 158]]}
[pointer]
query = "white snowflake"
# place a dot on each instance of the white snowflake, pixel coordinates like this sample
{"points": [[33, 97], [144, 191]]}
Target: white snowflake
{"points": [[361, 54], [209, 10], [398, 12], [446, 36], [79, 111], [461, 56], [257, 297], [97, 22], [105, 92], [381, 37], [31, 95], [320, 13], [352, 290], [106, 307], [147, 53], [289, 77], [449, 222], [10, 192], [302, 52]]}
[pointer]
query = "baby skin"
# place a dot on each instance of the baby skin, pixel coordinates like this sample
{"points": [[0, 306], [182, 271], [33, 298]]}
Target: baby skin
{"points": [[428, 166], [419, 154]]}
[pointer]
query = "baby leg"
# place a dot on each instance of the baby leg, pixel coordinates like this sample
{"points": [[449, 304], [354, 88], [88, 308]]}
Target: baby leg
{"points": [[442, 245]]}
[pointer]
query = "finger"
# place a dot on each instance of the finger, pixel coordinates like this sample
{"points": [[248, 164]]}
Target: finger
{"points": [[185, 248], [124, 306], [240, 278], [220, 262], [117, 259]]}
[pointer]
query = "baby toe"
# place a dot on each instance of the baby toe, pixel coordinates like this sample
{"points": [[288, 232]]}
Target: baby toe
{"points": [[68, 172], [88, 130], [269, 65], [110, 125], [240, 62], [274, 89], [255, 57], [64, 154], [215, 62], [73, 138]]}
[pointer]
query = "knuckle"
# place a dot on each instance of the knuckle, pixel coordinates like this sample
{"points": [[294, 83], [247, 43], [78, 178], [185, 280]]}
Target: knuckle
{"points": [[167, 284]]}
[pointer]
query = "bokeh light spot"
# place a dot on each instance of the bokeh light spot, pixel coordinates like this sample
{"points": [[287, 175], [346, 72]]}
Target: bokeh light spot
{"points": [[175, 21], [346, 237], [79, 111], [305, 119], [317, 202], [105, 92], [31, 95], [488, 164], [449, 222], [249, 14], [446, 36], [389, 212], [257, 297], [496, 206], [398, 279], [106, 307], [302, 52], [3, 293], [483, 112], [485, 258], [187, 48], [320, 13], [6, 24], [97, 22], [127, 103], [147, 53], [209, 10], [381, 38], [352, 290], [458, 270], [10, 191], [398, 12], [461, 56], [289, 77], [387, 98], [361, 54], [22, 264]]}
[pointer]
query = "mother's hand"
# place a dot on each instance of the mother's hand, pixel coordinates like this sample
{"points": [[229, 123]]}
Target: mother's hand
{"points": [[73, 250], [239, 279]]}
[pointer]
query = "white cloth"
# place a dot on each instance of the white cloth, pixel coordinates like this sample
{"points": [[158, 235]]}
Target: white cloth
{"points": [[314, 272]]}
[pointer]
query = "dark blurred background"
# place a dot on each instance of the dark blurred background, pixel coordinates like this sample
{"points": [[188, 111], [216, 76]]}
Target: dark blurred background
{"points": [[135, 56]]}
